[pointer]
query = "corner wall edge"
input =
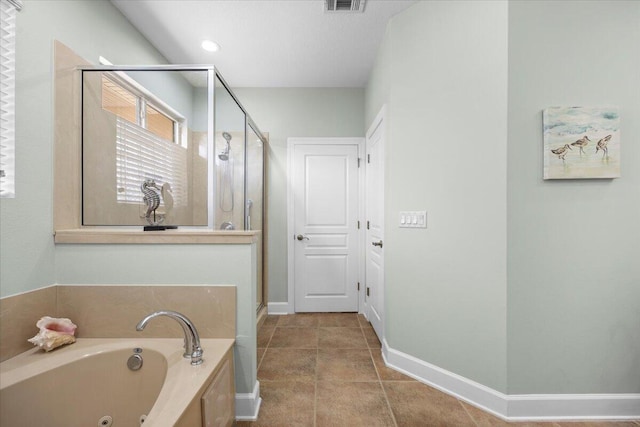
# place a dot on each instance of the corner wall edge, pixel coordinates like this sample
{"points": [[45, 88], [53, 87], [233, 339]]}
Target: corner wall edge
{"points": [[248, 404]]}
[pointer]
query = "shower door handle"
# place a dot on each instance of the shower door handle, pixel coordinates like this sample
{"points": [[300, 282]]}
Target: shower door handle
{"points": [[377, 244], [301, 237]]}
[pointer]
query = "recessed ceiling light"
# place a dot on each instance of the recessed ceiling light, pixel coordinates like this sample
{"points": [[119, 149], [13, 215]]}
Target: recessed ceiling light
{"points": [[210, 46]]}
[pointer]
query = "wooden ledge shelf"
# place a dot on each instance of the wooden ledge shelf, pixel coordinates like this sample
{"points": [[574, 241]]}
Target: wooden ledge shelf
{"points": [[167, 237]]}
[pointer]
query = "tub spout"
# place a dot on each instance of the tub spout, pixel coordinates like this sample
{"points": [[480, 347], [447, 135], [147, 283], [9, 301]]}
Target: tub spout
{"points": [[192, 347]]}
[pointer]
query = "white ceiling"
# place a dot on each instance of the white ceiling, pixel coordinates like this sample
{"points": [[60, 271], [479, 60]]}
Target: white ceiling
{"points": [[267, 43]]}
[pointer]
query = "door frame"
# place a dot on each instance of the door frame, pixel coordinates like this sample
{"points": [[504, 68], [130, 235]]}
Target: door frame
{"points": [[379, 120], [291, 144]]}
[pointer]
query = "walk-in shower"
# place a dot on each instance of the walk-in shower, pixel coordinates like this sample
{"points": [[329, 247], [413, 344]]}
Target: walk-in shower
{"points": [[169, 124], [180, 127]]}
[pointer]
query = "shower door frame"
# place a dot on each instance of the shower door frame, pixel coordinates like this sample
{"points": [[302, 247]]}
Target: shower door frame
{"points": [[212, 74]]}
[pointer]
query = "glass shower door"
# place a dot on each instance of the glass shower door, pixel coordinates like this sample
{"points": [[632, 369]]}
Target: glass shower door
{"points": [[229, 160], [254, 204]]}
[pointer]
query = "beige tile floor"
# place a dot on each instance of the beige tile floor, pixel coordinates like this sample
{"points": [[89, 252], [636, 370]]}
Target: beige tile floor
{"points": [[325, 369]]}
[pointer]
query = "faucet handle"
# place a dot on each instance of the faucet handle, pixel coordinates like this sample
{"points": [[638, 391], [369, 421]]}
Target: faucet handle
{"points": [[196, 356]]}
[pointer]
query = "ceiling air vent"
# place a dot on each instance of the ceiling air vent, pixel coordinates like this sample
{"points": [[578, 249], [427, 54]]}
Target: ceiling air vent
{"points": [[344, 5]]}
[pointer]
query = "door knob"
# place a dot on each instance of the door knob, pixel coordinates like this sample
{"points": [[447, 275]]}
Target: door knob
{"points": [[301, 237], [377, 243]]}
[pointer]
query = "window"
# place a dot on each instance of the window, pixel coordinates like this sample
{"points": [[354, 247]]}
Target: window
{"points": [[137, 109], [147, 144], [8, 10], [159, 124], [140, 155], [119, 101]]}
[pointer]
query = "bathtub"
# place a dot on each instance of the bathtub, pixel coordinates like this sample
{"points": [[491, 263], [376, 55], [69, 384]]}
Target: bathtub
{"points": [[89, 384]]}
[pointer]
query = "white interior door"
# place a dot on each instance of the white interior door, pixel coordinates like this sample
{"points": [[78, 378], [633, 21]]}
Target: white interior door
{"points": [[325, 226], [374, 212]]}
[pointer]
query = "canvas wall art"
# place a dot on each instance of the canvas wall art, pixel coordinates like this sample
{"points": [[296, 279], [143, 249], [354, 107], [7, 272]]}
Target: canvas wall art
{"points": [[581, 142]]}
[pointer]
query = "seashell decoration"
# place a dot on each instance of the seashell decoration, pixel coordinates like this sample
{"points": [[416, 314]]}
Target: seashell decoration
{"points": [[54, 332]]}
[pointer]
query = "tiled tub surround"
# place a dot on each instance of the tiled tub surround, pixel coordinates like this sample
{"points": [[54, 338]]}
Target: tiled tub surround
{"points": [[18, 317], [113, 311], [326, 369]]}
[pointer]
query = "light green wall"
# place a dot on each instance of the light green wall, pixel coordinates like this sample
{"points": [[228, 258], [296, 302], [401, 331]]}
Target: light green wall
{"points": [[91, 28], [295, 112], [379, 83], [443, 72], [561, 316], [574, 246]]}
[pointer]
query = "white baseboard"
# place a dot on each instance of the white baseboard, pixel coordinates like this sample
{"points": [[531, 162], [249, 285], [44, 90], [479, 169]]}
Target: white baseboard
{"points": [[623, 406], [470, 391], [516, 407], [248, 404], [279, 308]]}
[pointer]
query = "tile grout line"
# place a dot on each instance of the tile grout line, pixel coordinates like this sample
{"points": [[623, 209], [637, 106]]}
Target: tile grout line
{"points": [[272, 334], [315, 383], [384, 392], [260, 361], [270, 338], [473, 420], [265, 352]]}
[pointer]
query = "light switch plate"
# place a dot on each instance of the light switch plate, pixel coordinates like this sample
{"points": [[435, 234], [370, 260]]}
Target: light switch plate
{"points": [[413, 219]]}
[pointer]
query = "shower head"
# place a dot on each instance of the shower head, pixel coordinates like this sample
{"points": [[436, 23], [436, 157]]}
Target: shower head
{"points": [[224, 156]]}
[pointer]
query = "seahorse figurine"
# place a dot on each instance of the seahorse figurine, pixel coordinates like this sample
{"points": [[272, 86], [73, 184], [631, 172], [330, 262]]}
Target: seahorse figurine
{"points": [[151, 198]]}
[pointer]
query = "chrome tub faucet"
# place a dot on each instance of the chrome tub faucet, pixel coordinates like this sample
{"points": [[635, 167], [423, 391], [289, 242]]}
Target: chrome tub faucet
{"points": [[192, 347]]}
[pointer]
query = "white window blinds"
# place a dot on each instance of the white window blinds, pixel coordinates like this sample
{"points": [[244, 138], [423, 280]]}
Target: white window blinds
{"points": [[141, 155], [7, 96]]}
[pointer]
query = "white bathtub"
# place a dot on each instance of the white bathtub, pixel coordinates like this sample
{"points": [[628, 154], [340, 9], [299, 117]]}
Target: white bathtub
{"points": [[82, 383]]}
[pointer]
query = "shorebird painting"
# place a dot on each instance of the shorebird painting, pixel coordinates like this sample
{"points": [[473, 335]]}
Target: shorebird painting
{"points": [[582, 142], [602, 145], [562, 151], [582, 130]]}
